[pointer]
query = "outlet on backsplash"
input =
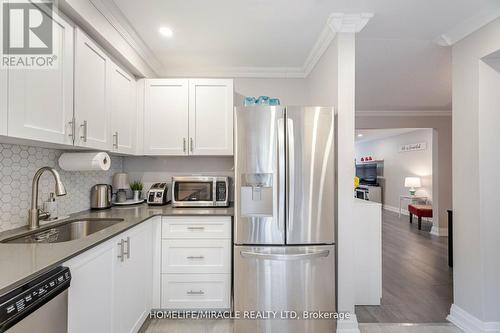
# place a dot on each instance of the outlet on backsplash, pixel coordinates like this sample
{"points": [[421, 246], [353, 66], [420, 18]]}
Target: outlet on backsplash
{"points": [[19, 163]]}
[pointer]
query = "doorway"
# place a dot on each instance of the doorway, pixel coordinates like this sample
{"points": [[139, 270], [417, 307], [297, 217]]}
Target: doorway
{"points": [[417, 285]]}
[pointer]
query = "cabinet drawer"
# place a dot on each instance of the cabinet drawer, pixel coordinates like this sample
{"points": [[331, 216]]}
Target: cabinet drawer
{"points": [[209, 227], [196, 256], [195, 291]]}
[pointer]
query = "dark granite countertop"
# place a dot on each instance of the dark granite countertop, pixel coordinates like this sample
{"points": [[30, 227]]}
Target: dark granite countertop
{"points": [[21, 262]]}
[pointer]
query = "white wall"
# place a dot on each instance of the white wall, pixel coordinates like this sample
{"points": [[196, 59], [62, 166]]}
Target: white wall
{"points": [[398, 165], [476, 139], [322, 82]]}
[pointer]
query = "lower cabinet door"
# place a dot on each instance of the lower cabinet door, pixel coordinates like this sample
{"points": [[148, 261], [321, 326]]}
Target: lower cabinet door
{"points": [[133, 278], [195, 291], [90, 295]]}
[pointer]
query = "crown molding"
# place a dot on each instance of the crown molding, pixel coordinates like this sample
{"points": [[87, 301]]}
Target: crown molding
{"points": [[341, 22], [324, 39], [399, 113], [467, 27], [241, 72], [119, 22]]}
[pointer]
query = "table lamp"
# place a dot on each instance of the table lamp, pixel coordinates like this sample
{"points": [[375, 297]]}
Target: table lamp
{"points": [[120, 185], [412, 182]]}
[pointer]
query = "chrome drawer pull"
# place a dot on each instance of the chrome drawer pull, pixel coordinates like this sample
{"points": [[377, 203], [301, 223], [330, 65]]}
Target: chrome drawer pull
{"points": [[196, 228], [121, 255], [191, 292], [196, 257]]}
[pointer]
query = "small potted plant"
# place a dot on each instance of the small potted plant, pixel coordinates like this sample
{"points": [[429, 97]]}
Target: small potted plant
{"points": [[136, 187]]}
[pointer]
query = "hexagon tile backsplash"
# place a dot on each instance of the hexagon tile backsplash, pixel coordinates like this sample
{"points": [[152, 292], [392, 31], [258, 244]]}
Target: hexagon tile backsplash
{"points": [[18, 165]]}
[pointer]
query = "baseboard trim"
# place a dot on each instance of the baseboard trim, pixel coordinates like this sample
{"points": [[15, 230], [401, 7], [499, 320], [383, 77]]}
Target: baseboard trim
{"points": [[469, 323], [348, 325], [441, 232], [396, 210]]}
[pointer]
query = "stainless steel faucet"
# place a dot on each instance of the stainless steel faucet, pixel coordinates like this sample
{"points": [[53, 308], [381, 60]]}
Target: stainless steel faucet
{"points": [[36, 214]]}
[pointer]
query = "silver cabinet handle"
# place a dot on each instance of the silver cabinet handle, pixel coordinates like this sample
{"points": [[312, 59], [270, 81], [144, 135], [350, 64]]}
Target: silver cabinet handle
{"points": [[196, 228], [285, 257], [127, 253], [72, 129], [115, 140], [84, 126], [191, 144], [121, 256], [192, 292], [195, 257], [184, 145]]}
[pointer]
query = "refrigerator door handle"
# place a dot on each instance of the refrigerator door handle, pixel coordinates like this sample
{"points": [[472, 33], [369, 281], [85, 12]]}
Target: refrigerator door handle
{"points": [[285, 257], [281, 177], [290, 175]]}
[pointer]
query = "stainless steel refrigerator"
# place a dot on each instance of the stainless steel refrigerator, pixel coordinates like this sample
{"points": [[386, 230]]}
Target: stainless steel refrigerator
{"points": [[284, 235]]}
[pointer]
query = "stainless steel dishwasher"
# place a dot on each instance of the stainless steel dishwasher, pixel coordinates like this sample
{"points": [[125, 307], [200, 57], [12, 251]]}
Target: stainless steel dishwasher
{"points": [[40, 305]]}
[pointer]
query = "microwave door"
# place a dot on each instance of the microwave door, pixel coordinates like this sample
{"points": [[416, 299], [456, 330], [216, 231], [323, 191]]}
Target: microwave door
{"points": [[310, 175], [259, 175]]}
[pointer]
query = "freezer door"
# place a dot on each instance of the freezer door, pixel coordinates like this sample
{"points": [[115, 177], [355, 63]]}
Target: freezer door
{"points": [[284, 279], [259, 175], [310, 175]]}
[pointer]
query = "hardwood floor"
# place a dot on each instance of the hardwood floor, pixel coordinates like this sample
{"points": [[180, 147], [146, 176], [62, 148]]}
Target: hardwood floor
{"points": [[417, 285]]}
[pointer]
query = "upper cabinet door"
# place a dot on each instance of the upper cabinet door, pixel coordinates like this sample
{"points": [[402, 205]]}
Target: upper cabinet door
{"points": [[40, 101], [166, 117], [123, 110], [92, 68], [210, 117]]}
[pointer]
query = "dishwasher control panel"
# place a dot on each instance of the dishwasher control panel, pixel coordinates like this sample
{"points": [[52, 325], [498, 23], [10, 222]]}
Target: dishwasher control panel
{"points": [[25, 299]]}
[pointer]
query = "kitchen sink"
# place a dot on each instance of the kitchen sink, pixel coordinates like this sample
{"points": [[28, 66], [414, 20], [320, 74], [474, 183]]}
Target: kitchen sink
{"points": [[64, 232]]}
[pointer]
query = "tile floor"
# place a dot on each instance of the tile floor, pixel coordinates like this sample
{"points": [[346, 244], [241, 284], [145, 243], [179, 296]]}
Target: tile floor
{"points": [[226, 326]]}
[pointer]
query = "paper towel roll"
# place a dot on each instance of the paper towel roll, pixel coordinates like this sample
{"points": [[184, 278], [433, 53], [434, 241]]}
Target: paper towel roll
{"points": [[85, 161]]}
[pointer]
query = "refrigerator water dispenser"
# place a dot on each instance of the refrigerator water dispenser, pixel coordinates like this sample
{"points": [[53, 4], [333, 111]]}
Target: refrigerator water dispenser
{"points": [[257, 195]]}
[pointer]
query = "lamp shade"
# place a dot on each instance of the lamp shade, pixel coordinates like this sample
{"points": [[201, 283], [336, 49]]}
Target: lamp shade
{"points": [[120, 181], [412, 182]]}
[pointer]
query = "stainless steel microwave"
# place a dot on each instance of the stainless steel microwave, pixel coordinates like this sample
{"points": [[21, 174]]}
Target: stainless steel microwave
{"points": [[200, 191]]}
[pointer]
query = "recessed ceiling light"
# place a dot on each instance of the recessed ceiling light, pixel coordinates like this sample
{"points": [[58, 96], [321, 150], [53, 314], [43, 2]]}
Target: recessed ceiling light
{"points": [[165, 31], [360, 135]]}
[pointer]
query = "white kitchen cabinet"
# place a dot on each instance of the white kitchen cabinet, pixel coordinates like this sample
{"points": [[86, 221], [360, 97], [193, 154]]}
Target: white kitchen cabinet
{"points": [[196, 256], [133, 278], [90, 295], [40, 101], [196, 291], [123, 110], [210, 117], [195, 262], [166, 117], [188, 117], [92, 96], [108, 293]]}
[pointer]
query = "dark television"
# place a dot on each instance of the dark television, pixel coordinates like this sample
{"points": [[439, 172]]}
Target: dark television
{"points": [[367, 173]]}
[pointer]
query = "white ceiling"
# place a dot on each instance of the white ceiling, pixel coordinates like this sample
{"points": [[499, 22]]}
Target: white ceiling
{"points": [[398, 65]]}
